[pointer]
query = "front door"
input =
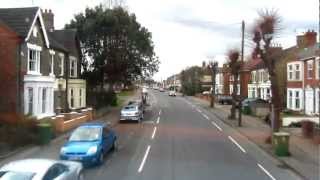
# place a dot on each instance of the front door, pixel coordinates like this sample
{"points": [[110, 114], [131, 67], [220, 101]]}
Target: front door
{"points": [[309, 102]]}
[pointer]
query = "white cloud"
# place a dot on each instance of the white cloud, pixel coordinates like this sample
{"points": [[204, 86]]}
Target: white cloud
{"points": [[186, 32]]}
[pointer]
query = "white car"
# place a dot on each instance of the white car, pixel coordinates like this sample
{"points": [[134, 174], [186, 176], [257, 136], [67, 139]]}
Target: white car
{"points": [[172, 93], [41, 169]]}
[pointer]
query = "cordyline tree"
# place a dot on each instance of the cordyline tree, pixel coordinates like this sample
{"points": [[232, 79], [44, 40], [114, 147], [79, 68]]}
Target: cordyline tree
{"points": [[120, 50], [234, 65], [264, 31]]}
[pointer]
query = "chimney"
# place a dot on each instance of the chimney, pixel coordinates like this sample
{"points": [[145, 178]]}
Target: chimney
{"points": [[48, 18], [308, 39]]}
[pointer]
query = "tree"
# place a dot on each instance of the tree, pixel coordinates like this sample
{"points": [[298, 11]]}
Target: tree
{"points": [[117, 48], [264, 31], [190, 80], [234, 65]]}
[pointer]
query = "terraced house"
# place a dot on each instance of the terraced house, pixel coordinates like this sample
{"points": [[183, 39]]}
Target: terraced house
{"points": [[43, 62]]}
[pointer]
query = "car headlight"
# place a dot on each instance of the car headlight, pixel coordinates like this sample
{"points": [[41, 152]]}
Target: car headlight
{"points": [[63, 150], [136, 113], [92, 150]]}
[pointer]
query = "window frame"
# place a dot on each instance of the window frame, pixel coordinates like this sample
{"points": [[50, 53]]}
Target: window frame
{"points": [[61, 64], [73, 67], [310, 69]]}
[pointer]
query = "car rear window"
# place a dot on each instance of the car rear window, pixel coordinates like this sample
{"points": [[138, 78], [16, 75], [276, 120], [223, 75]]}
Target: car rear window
{"points": [[12, 175], [86, 133]]}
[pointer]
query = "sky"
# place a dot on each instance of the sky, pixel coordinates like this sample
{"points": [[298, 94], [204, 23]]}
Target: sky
{"points": [[188, 32]]}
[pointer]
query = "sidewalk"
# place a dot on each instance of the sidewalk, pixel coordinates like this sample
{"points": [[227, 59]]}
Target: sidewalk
{"points": [[305, 156], [111, 117]]}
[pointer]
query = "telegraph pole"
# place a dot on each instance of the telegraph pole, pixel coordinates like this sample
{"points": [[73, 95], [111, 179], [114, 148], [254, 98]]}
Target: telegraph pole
{"points": [[214, 67]]}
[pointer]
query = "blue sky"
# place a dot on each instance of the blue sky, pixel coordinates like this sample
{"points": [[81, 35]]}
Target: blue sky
{"points": [[187, 32]]}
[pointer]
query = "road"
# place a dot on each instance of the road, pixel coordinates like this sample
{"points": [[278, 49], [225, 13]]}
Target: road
{"points": [[178, 140]]}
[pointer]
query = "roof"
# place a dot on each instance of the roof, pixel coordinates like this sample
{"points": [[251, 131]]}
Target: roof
{"points": [[55, 44], [254, 64], [38, 166], [308, 52], [67, 38], [21, 20]]}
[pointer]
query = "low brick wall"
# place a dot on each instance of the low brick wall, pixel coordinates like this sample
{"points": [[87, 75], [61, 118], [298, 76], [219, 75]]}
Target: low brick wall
{"points": [[67, 121]]}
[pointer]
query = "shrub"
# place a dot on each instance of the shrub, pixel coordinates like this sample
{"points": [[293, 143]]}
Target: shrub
{"points": [[18, 131]]}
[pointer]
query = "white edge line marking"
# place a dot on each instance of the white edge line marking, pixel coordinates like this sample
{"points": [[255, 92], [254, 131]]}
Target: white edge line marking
{"points": [[216, 125], [235, 142], [144, 159], [154, 132], [158, 120], [265, 171], [206, 116]]}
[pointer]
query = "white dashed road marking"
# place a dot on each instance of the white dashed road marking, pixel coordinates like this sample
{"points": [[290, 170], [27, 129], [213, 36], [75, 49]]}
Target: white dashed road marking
{"points": [[216, 125], [144, 159], [237, 144], [158, 120], [154, 132], [265, 171]]}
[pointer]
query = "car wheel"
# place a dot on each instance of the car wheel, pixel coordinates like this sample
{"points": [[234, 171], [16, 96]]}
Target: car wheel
{"points": [[101, 158], [81, 176], [114, 145]]}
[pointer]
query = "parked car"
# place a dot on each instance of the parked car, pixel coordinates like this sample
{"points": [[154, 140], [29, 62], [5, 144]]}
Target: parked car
{"points": [[41, 169], [224, 99], [161, 89], [206, 92], [133, 112], [89, 143], [172, 93]]}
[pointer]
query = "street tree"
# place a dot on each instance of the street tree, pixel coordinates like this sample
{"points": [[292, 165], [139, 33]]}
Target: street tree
{"points": [[265, 29], [117, 48], [234, 65]]}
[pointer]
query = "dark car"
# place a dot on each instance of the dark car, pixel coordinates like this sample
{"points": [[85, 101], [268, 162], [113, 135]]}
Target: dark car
{"points": [[89, 143], [224, 99]]}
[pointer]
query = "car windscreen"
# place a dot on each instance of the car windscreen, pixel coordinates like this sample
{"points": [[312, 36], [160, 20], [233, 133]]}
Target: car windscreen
{"points": [[12, 175], [86, 134], [130, 108]]}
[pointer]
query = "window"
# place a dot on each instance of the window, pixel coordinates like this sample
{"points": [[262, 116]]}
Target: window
{"points": [[297, 72], [52, 64], [55, 171], [61, 65], [80, 97], [290, 71], [290, 100], [44, 100], [30, 101], [73, 68], [71, 98], [318, 69], [297, 102], [310, 69], [35, 32], [34, 61]]}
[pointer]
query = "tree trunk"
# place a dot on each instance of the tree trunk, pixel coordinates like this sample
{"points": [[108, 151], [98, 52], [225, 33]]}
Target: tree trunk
{"points": [[276, 101]]}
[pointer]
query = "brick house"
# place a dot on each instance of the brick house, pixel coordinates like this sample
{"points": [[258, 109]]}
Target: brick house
{"points": [[303, 74], [33, 54]]}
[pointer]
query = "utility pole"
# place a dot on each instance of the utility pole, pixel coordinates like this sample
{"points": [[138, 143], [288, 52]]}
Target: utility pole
{"points": [[241, 88], [213, 67]]}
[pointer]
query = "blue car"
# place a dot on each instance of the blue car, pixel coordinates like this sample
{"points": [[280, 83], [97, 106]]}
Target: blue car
{"points": [[89, 143]]}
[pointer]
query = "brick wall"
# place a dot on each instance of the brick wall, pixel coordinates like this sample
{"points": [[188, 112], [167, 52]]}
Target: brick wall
{"points": [[8, 70]]}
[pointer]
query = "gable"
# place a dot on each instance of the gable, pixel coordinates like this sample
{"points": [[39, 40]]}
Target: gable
{"points": [[38, 18]]}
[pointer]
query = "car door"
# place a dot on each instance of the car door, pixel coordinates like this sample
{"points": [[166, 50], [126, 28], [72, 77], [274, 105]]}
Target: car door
{"points": [[58, 172], [107, 138]]}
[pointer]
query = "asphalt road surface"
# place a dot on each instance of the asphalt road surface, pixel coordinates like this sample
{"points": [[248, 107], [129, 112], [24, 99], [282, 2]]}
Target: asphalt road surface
{"points": [[178, 140]]}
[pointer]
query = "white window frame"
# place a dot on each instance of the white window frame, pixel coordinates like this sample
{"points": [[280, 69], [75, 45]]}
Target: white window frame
{"points": [[317, 68], [310, 69], [73, 61], [292, 71], [44, 100], [37, 49], [61, 64], [28, 101], [52, 53]]}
